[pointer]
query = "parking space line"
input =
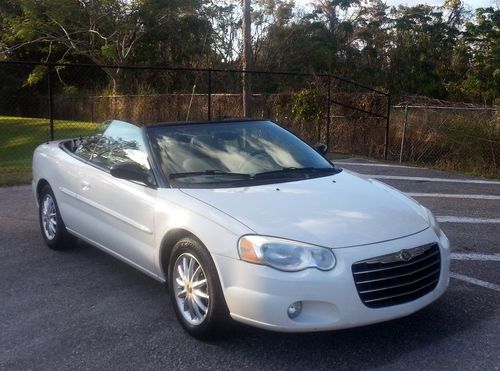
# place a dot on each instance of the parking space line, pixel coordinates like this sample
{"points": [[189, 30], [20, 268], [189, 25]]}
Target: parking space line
{"points": [[476, 257], [475, 281], [452, 195], [375, 165], [465, 219], [427, 179]]}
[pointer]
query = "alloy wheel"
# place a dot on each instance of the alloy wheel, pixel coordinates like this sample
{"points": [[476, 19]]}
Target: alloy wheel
{"points": [[49, 217], [191, 289]]}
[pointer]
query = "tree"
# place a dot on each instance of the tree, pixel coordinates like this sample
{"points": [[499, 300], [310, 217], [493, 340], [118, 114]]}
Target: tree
{"points": [[479, 52], [102, 32]]}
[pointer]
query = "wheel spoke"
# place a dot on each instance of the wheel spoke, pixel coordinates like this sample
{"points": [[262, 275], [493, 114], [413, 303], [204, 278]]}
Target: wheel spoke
{"points": [[181, 273], [190, 269], [196, 272], [191, 308], [200, 304], [196, 308], [182, 294], [180, 282], [46, 205], [199, 283], [201, 294], [185, 268]]}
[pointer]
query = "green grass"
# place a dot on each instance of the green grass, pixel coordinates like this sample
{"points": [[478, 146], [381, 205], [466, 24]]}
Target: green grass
{"points": [[19, 136]]}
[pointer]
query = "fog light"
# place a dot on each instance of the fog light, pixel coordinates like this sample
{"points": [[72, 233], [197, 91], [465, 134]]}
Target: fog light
{"points": [[294, 309]]}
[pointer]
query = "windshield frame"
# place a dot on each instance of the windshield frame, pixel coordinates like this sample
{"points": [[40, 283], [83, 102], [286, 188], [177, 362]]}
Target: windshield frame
{"points": [[235, 183]]}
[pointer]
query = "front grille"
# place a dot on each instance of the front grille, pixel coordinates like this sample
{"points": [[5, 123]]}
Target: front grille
{"points": [[399, 277]]}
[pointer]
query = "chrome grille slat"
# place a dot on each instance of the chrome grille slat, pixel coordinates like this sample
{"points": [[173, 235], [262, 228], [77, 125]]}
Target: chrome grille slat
{"points": [[397, 266], [398, 276], [402, 284], [407, 293], [381, 282]]}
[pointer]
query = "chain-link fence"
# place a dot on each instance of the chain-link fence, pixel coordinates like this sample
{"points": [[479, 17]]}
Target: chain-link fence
{"points": [[44, 101], [465, 138], [40, 102]]}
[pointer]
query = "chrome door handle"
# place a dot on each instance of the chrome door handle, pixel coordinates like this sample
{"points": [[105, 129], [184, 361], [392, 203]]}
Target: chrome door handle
{"points": [[85, 185]]}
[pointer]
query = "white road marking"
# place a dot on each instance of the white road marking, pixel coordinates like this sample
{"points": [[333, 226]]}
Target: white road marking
{"points": [[476, 257], [465, 219], [426, 179], [375, 165], [453, 195], [475, 281]]}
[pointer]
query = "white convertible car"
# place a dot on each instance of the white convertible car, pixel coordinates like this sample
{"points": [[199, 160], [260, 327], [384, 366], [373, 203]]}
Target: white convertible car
{"points": [[243, 220]]}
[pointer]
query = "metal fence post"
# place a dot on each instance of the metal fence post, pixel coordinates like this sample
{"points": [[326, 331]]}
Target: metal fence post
{"points": [[405, 122], [386, 139], [328, 112], [209, 95], [51, 100]]}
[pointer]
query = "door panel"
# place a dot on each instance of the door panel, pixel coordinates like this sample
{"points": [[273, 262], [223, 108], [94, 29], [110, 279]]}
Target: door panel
{"points": [[119, 215], [66, 189]]}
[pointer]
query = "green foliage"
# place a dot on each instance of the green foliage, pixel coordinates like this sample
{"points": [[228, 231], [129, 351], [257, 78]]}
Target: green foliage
{"points": [[70, 91], [439, 51], [306, 106], [36, 75]]}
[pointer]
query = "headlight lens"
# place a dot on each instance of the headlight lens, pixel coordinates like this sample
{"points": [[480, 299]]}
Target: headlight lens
{"points": [[284, 254], [433, 222]]}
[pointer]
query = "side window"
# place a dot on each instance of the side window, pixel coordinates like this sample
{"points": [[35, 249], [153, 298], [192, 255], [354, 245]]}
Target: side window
{"points": [[85, 149], [121, 142]]}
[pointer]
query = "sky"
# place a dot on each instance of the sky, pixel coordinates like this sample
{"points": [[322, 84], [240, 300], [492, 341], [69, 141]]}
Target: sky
{"points": [[471, 3]]}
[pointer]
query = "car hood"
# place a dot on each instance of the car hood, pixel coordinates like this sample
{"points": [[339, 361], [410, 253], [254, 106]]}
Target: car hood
{"points": [[336, 211]]}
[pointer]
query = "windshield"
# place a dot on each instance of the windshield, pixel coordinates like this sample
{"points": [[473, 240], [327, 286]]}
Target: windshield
{"points": [[234, 152]]}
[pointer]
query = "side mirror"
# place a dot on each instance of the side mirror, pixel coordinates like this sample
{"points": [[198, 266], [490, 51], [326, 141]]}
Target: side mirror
{"points": [[321, 148], [132, 171]]}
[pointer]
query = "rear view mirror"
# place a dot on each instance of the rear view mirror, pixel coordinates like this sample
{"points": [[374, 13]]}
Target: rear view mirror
{"points": [[132, 171], [321, 148]]}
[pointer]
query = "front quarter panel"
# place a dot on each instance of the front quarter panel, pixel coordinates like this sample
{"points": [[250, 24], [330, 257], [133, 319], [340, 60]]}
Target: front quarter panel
{"points": [[219, 232]]}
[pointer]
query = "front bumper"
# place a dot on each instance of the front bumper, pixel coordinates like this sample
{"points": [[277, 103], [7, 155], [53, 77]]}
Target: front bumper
{"points": [[259, 295]]}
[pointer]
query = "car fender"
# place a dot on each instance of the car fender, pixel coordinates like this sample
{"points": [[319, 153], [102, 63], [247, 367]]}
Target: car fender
{"points": [[218, 231]]}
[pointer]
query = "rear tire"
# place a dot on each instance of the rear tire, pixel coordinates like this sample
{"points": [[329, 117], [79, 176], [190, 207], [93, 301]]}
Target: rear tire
{"points": [[195, 290], [51, 224]]}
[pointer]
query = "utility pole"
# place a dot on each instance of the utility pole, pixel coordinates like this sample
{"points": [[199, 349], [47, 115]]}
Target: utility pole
{"points": [[247, 59]]}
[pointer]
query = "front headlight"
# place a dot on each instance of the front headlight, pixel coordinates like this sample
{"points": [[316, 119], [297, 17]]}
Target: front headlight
{"points": [[284, 254], [433, 222]]}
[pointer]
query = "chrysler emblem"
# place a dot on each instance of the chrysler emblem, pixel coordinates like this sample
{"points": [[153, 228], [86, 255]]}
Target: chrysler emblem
{"points": [[405, 255]]}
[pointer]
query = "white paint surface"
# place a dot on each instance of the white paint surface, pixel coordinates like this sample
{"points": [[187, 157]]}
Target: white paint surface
{"points": [[427, 179], [452, 195], [475, 281], [467, 220], [476, 257]]}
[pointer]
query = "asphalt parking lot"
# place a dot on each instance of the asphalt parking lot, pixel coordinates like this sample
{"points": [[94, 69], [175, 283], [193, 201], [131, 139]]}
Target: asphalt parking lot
{"points": [[83, 309]]}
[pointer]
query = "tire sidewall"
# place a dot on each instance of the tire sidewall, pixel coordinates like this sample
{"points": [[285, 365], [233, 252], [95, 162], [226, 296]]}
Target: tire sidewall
{"points": [[217, 308], [57, 241]]}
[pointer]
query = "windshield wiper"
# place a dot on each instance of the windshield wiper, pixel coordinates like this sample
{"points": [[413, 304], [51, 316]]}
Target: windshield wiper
{"points": [[286, 171], [208, 172]]}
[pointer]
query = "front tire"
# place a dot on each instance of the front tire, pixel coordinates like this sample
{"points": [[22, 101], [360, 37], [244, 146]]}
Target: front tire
{"points": [[51, 224], [195, 290]]}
